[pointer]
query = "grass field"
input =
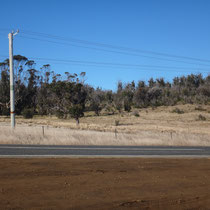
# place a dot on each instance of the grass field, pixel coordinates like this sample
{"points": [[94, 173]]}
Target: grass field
{"points": [[177, 125]]}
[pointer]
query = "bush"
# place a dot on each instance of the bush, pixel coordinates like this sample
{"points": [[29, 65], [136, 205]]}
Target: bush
{"points": [[77, 111], [201, 117], [200, 108], [127, 107], [5, 112], [109, 108], [178, 111], [59, 114], [28, 113]]}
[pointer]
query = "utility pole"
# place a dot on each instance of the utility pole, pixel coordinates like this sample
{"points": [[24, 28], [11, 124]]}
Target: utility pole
{"points": [[12, 88]]}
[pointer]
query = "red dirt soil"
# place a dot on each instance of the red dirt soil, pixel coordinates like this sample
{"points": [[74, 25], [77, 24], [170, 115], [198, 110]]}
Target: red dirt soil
{"points": [[104, 184]]}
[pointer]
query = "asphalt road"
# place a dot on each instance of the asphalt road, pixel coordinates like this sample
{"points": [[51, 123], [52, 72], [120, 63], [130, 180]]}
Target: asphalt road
{"points": [[101, 151]]}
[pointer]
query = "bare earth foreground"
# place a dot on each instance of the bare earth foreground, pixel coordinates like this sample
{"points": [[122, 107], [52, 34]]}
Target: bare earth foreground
{"points": [[134, 183]]}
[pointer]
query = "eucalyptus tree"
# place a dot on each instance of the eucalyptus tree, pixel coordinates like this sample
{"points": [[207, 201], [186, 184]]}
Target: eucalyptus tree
{"points": [[4, 88]]}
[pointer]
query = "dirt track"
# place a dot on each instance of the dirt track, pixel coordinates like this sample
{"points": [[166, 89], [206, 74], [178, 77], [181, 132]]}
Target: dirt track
{"points": [[104, 184]]}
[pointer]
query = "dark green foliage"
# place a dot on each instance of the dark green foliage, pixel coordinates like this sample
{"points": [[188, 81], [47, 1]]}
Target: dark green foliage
{"points": [[96, 107], [118, 97], [5, 111], [140, 97], [76, 111], [28, 113], [78, 99], [4, 92], [59, 114], [127, 106], [43, 100], [95, 99], [46, 93]]}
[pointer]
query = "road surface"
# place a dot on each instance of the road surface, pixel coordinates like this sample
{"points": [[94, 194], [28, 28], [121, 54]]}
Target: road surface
{"points": [[101, 151]]}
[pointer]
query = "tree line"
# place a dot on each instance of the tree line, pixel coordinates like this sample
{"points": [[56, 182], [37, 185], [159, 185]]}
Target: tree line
{"points": [[43, 92]]}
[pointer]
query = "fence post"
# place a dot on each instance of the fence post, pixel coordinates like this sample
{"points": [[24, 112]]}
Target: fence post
{"points": [[115, 132], [43, 130]]}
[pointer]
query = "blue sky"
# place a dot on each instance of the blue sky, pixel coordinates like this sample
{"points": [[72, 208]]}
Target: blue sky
{"points": [[178, 27]]}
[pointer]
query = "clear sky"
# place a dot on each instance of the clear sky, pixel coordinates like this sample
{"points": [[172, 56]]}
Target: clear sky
{"points": [[177, 27]]}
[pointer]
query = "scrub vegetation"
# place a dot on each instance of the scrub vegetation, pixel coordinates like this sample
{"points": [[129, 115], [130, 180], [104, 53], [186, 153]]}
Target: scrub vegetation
{"points": [[43, 92], [152, 113]]}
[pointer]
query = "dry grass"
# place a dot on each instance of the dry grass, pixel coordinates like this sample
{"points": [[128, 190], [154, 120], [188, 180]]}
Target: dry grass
{"points": [[154, 127]]}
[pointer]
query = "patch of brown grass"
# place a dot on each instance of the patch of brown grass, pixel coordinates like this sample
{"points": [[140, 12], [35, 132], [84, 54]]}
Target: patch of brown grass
{"points": [[154, 127]]}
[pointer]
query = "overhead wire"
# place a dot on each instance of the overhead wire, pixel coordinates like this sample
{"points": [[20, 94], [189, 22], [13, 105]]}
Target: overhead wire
{"points": [[109, 63], [112, 51], [121, 65], [130, 68], [27, 32], [112, 46]]}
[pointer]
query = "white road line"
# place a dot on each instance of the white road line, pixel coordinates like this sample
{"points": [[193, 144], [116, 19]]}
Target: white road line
{"points": [[111, 148]]}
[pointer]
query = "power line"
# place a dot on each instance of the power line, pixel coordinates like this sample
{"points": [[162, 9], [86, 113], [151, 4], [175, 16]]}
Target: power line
{"points": [[112, 46], [112, 51], [130, 68], [108, 45], [106, 64]]}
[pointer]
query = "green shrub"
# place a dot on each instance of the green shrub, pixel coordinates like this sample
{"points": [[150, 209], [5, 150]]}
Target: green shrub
{"points": [[28, 113], [59, 114], [76, 111], [5, 112], [127, 107]]}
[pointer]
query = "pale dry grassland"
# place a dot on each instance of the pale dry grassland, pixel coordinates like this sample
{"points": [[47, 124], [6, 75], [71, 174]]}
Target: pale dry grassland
{"points": [[153, 127]]}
